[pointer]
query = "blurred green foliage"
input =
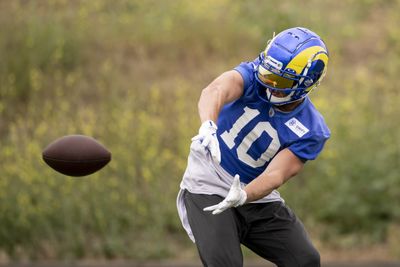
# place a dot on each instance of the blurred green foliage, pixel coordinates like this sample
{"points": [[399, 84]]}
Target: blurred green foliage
{"points": [[129, 73]]}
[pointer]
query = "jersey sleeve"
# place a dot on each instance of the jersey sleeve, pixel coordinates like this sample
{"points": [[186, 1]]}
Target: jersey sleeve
{"points": [[246, 70], [309, 147]]}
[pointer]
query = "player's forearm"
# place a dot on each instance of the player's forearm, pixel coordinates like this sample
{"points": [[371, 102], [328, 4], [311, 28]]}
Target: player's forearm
{"points": [[210, 104], [284, 166], [263, 185]]}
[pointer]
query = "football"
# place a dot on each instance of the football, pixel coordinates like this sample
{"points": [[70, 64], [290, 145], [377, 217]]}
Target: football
{"points": [[76, 155]]}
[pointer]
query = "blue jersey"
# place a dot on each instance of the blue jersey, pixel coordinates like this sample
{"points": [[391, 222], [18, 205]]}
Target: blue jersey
{"points": [[251, 132]]}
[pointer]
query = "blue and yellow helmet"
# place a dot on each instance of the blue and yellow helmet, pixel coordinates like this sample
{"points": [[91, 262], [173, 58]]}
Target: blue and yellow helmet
{"points": [[292, 65]]}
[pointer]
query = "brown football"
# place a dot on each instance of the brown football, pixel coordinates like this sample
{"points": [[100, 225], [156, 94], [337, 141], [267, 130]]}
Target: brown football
{"points": [[76, 155]]}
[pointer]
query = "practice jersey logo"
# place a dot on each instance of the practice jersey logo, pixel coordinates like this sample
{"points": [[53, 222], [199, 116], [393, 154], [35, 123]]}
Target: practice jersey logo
{"points": [[297, 127]]}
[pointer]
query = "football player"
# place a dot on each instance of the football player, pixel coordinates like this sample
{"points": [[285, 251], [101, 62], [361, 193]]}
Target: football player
{"points": [[258, 129]]}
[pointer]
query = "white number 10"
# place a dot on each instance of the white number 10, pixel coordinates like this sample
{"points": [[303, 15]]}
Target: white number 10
{"points": [[263, 126]]}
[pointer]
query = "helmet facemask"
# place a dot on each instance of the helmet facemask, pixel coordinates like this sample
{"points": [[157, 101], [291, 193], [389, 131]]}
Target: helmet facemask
{"points": [[281, 86]]}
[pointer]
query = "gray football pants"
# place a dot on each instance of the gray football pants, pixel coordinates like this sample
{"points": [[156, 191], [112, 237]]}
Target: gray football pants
{"points": [[271, 230]]}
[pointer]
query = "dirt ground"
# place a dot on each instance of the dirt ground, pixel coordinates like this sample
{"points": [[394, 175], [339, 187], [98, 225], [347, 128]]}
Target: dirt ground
{"points": [[192, 264], [372, 257]]}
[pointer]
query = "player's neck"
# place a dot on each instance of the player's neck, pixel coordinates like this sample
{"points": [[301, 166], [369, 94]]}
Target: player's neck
{"points": [[290, 106]]}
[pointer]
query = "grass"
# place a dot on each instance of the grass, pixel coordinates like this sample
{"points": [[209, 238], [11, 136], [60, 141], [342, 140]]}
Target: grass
{"points": [[130, 73]]}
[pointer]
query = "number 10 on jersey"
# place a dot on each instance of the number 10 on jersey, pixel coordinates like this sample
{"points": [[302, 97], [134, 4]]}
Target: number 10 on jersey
{"points": [[242, 149]]}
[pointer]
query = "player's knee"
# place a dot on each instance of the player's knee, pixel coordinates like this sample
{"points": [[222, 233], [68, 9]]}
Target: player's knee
{"points": [[224, 262], [217, 256], [311, 259]]}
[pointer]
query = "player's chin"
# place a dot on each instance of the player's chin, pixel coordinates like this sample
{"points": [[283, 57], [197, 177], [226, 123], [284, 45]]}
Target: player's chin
{"points": [[278, 93]]}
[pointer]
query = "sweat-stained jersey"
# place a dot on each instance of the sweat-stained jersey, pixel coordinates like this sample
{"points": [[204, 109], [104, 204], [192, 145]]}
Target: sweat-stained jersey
{"points": [[251, 132]]}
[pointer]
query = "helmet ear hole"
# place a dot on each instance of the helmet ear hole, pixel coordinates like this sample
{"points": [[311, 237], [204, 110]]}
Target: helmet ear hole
{"points": [[316, 71]]}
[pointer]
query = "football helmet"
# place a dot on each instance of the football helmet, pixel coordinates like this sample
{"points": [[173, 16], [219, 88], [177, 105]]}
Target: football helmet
{"points": [[292, 65]]}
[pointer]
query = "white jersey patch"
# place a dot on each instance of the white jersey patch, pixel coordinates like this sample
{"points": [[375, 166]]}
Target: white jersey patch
{"points": [[297, 127]]}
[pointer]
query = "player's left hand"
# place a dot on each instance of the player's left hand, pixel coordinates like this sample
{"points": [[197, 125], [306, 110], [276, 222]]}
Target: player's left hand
{"points": [[236, 197]]}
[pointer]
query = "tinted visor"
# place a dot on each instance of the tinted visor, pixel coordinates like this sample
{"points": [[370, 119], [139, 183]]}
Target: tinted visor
{"points": [[273, 80]]}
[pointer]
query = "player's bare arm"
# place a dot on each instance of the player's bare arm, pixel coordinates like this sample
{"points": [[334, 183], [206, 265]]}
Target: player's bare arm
{"points": [[284, 166], [224, 89]]}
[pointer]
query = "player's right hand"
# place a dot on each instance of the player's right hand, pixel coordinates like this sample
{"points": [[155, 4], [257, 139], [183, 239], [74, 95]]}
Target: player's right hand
{"points": [[208, 138]]}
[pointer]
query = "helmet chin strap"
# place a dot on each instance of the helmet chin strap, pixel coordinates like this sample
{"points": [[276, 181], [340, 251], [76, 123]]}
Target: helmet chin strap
{"points": [[278, 100]]}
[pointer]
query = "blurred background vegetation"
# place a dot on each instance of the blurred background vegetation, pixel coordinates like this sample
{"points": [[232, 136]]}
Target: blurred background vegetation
{"points": [[129, 73]]}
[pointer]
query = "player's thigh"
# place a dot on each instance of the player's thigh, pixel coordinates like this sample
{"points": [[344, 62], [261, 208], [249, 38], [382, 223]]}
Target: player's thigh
{"points": [[217, 236], [281, 238]]}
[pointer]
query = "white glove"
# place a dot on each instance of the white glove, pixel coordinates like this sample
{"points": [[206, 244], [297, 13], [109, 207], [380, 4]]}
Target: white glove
{"points": [[208, 138], [236, 197]]}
